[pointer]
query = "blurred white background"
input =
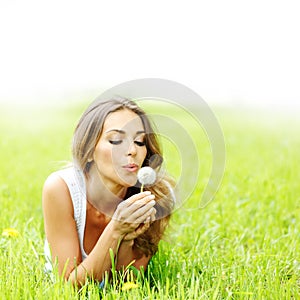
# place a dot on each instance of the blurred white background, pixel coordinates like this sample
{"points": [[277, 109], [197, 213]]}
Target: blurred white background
{"points": [[234, 52]]}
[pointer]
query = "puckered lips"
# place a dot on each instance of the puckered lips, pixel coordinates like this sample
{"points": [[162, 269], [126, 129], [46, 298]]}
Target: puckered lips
{"points": [[132, 167]]}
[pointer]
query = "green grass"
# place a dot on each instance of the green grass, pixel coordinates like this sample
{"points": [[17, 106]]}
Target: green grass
{"points": [[243, 245]]}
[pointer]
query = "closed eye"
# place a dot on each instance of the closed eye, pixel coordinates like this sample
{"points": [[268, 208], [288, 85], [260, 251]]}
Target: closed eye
{"points": [[118, 142], [140, 144], [115, 142]]}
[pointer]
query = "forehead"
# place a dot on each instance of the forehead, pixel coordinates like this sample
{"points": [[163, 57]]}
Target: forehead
{"points": [[123, 119]]}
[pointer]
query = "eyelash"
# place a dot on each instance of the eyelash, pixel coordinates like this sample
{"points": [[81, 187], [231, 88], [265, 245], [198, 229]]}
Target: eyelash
{"points": [[140, 144], [118, 142], [115, 142]]}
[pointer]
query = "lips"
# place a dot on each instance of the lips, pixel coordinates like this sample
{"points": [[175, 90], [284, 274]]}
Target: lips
{"points": [[131, 167]]}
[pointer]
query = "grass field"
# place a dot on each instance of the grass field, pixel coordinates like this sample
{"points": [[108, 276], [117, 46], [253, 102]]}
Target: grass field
{"points": [[243, 245]]}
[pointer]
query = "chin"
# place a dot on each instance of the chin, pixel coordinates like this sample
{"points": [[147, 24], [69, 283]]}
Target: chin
{"points": [[128, 182]]}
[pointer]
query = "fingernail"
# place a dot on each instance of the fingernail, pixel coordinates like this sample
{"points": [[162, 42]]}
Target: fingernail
{"points": [[147, 193]]}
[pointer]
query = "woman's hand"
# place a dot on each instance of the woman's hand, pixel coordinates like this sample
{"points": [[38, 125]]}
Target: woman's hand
{"points": [[133, 216], [138, 231], [141, 228]]}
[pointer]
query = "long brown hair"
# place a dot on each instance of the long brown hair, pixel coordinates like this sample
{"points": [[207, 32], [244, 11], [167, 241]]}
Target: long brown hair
{"points": [[86, 136]]}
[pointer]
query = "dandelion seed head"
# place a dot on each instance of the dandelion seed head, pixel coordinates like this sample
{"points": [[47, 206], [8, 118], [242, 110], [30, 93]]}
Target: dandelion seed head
{"points": [[146, 175]]}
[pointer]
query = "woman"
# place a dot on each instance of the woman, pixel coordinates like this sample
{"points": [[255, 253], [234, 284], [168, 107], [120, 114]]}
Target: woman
{"points": [[96, 206]]}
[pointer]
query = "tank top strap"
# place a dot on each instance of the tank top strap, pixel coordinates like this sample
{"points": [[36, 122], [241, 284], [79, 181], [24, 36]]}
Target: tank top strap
{"points": [[74, 179]]}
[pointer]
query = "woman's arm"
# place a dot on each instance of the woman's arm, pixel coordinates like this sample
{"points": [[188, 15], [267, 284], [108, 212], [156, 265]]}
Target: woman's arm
{"points": [[62, 235], [126, 253], [60, 226]]}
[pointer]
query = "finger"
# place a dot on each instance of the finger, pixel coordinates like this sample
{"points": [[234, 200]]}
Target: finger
{"points": [[138, 196], [140, 230], [133, 203], [142, 214], [140, 206], [130, 236], [152, 216]]}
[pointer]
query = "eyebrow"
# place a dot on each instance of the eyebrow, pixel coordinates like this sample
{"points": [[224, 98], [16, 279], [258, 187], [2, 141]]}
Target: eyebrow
{"points": [[123, 132]]}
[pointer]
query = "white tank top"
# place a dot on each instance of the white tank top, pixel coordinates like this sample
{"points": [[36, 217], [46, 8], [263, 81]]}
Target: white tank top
{"points": [[74, 179]]}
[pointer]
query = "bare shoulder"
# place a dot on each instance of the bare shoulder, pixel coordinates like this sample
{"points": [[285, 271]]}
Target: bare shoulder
{"points": [[59, 222], [56, 193]]}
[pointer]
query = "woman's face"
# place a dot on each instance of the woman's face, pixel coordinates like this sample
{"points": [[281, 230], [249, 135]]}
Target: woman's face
{"points": [[120, 151]]}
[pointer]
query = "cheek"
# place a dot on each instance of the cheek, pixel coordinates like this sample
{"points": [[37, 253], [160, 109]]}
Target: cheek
{"points": [[144, 153], [109, 155], [103, 153]]}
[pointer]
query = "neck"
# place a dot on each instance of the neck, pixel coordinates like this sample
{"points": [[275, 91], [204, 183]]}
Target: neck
{"points": [[104, 197]]}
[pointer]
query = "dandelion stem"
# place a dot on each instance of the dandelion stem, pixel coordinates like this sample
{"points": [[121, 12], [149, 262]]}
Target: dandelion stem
{"points": [[142, 188]]}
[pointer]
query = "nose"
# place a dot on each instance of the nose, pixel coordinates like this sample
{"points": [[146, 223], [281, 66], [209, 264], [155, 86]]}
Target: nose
{"points": [[131, 149]]}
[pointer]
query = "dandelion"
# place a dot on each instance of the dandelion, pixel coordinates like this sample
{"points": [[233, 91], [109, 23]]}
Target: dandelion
{"points": [[146, 175], [10, 232], [129, 285]]}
